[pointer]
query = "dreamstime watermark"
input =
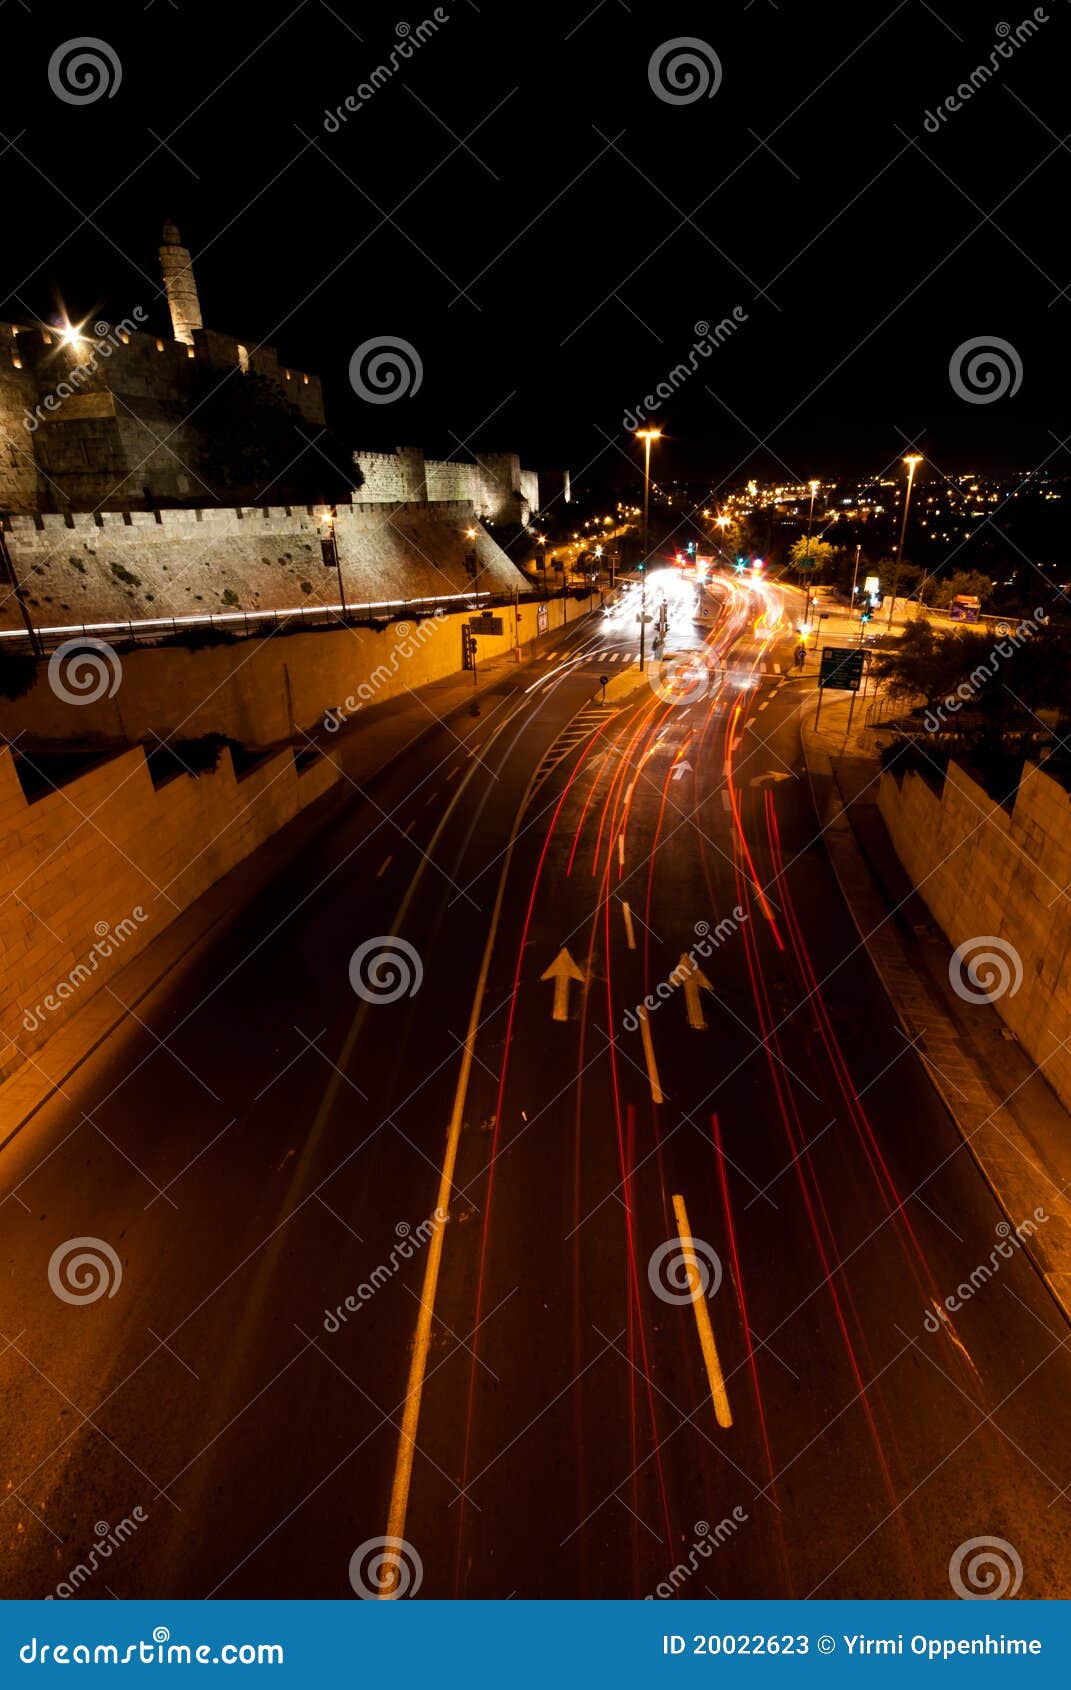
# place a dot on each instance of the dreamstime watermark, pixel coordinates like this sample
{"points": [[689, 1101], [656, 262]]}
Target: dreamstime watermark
{"points": [[708, 940], [107, 338], [108, 1540], [985, 1569], [1010, 1239], [984, 369], [410, 1241], [1008, 44], [385, 1567], [679, 1272], [384, 369], [706, 1539], [686, 678], [83, 1270], [937, 714], [684, 70], [985, 968], [84, 670], [707, 341], [386, 968], [406, 645], [83, 70], [409, 40], [109, 939]]}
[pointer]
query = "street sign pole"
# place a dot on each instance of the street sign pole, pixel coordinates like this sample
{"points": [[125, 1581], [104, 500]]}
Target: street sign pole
{"points": [[818, 712]]}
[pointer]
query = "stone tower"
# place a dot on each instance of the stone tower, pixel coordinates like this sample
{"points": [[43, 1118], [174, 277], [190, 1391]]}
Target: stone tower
{"points": [[177, 268]]}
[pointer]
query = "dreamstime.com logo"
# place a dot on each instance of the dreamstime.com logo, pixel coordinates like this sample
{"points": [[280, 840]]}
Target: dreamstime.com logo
{"points": [[386, 968], [107, 338], [985, 1569], [1009, 1240], [108, 1540], [83, 70], [84, 670], [705, 1540], [707, 341], [385, 1567], [936, 716], [984, 369], [409, 39], [384, 369], [686, 678], [1007, 44], [83, 1270], [985, 968], [108, 940], [406, 645], [410, 1240], [680, 1274], [684, 70]]}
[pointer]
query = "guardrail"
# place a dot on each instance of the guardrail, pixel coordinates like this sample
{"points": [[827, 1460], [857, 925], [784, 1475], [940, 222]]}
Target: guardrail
{"points": [[258, 624]]}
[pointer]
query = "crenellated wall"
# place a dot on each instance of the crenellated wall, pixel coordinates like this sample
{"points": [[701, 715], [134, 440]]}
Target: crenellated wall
{"points": [[119, 566], [496, 486]]}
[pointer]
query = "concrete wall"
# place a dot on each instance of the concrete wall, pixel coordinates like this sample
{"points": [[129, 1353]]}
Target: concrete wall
{"points": [[983, 870], [260, 690], [78, 900], [115, 566]]}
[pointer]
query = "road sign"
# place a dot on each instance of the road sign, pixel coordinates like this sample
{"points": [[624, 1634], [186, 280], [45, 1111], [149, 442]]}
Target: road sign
{"points": [[485, 624], [841, 668]]}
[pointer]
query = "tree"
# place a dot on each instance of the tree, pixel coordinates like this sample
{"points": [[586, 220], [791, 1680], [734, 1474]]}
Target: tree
{"points": [[810, 556], [965, 581]]}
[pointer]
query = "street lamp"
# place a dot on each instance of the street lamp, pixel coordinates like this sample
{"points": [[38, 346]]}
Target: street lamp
{"points": [[647, 435], [912, 462]]}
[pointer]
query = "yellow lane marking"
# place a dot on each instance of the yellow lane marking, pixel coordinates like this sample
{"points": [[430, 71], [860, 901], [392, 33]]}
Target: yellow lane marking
{"points": [[722, 1411], [630, 931], [649, 1055], [383, 867]]}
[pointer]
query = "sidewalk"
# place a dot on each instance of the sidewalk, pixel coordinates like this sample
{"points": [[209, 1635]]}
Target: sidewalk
{"points": [[1012, 1122], [362, 749]]}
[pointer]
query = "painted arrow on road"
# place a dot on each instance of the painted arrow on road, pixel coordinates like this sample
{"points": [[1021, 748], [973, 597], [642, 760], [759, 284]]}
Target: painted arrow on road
{"points": [[562, 970], [682, 769], [775, 774], [690, 977]]}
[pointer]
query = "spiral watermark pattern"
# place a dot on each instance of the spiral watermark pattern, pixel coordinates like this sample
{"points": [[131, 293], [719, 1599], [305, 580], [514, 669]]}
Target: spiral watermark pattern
{"points": [[83, 1270], [985, 1569], [985, 968], [679, 1275], [384, 369], [985, 369], [684, 70], [83, 70], [385, 1567], [685, 679], [386, 968], [83, 670]]}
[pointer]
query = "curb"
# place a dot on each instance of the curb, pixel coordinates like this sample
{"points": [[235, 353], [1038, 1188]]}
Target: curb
{"points": [[905, 989]]}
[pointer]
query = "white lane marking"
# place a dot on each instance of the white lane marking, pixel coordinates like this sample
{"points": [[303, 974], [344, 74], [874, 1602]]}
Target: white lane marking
{"points": [[383, 867], [649, 1057], [726, 801], [692, 980], [621, 850]]}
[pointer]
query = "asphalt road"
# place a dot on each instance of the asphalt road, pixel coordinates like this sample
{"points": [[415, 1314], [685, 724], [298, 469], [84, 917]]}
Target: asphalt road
{"points": [[523, 1385]]}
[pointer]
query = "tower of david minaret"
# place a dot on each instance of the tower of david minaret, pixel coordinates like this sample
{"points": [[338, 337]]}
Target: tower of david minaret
{"points": [[177, 268]]}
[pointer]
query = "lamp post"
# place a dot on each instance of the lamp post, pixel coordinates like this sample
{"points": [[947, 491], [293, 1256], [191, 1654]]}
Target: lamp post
{"points": [[912, 462], [647, 435], [330, 539]]}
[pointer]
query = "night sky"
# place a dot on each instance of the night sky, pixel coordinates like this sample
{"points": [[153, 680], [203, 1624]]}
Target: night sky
{"points": [[518, 204]]}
